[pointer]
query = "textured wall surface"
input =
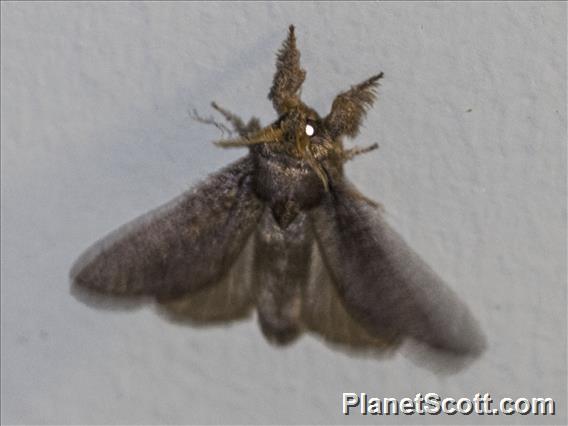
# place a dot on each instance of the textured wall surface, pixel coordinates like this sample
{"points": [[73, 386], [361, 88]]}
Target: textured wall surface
{"points": [[471, 120]]}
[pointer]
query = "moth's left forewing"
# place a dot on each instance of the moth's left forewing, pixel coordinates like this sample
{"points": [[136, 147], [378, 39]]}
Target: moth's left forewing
{"points": [[180, 248], [229, 299], [383, 283]]}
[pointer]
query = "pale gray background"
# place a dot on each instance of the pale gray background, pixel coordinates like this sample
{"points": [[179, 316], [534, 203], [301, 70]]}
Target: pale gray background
{"points": [[95, 130]]}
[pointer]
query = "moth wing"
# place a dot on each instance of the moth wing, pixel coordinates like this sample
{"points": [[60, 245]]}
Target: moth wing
{"points": [[383, 283], [229, 299], [324, 314], [180, 247]]}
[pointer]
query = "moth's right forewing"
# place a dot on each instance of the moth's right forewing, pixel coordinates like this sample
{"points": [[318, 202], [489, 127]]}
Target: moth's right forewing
{"points": [[383, 283], [179, 248], [324, 314]]}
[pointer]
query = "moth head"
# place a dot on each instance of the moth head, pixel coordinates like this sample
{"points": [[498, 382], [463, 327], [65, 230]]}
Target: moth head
{"points": [[299, 126], [348, 108]]}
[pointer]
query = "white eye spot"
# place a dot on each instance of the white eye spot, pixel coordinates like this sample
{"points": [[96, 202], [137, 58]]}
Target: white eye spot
{"points": [[309, 130]]}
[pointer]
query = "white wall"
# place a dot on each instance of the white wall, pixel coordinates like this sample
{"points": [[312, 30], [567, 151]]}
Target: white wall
{"points": [[95, 130]]}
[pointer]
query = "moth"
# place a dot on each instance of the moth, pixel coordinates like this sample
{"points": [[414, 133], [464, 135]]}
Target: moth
{"points": [[282, 231]]}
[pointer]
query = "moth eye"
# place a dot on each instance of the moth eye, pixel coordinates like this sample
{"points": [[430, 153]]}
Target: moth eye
{"points": [[310, 130]]}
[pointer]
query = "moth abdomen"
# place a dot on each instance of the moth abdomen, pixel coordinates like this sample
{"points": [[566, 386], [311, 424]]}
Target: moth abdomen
{"points": [[280, 271]]}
